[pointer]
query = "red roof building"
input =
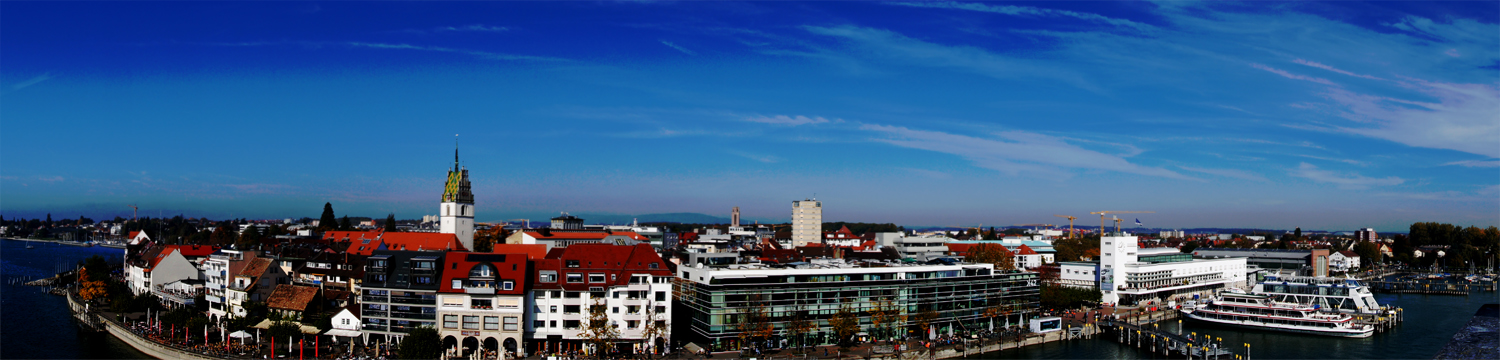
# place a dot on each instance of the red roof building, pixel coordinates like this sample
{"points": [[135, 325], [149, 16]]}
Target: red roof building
{"points": [[632, 283], [366, 242]]}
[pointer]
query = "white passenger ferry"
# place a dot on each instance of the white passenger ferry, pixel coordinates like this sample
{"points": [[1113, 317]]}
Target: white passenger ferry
{"points": [[1261, 312], [1327, 293]]}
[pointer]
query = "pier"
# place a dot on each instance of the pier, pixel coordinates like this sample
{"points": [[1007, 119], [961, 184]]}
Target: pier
{"points": [[1429, 287]]}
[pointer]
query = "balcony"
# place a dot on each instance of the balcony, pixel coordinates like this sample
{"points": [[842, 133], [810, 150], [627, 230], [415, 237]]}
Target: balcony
{"points": [[374, 327], [375, 313], [412, 315]]}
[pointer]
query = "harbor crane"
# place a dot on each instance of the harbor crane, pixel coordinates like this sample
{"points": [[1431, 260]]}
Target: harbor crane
{"points": [[1070, 223], [133, 212], [1102, 213]]}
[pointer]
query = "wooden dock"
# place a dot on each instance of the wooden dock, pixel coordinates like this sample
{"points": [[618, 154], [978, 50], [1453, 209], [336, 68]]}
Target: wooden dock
{"points": [[1429, 287], [1165, 343]]}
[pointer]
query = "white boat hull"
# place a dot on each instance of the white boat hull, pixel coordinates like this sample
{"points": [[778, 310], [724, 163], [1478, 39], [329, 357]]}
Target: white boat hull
{"points": [[1350, 333]]}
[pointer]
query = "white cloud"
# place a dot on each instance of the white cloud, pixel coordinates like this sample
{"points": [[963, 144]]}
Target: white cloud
{"points": [[769, 159], [31, 81], [928, 173], [1465, 117], [1333, 69], [893, 46], [679, 48], [482, 54], [1232, 173], [1015, 152], [1027, 11], [1476, 163], [1290, 75], [1350, 181], [789, 120]]}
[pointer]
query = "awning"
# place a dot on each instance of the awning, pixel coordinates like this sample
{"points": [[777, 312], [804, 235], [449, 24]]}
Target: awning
{"points": [[343, 333], [266, 325]]}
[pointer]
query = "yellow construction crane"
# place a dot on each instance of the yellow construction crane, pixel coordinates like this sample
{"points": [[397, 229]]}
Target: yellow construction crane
{"points": [[133, 212], [1101, 217], [1070, 223]]}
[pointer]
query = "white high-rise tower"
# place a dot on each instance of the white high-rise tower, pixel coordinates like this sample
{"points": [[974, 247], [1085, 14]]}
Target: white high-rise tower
{"points": [[457, 210], [807, 222]]}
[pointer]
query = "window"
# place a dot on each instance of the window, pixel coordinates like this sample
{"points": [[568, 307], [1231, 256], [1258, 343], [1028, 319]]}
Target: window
{"points": [[615, 310], [547, 276], [512, 323], [571, 309], [661, 309], [552, 323], [572, 263], [631, 324], [538, 324], [458, 284], [471, 322], [493, 323], [450, 321], [554, 309], [481, 271], [632, 309], [661, 296], [422, 280], [556, 294], [378, 278], [508, 285], [596, 278], [575, 278], [346, 321], [482, 304], [570, 324], [652, 265], [574, 294]]}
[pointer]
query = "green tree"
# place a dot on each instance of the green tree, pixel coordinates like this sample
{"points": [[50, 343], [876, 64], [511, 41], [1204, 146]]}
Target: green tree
{"points": [[754, 323], [1188, 247], [1368, 252], [798, 327], [327, 221], [344, 224], [995, 254], [390, 222], [421, 343]]}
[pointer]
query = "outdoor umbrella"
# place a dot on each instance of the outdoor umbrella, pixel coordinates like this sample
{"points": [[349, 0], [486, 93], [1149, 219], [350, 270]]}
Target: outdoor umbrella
{"points": [[242, 335]]}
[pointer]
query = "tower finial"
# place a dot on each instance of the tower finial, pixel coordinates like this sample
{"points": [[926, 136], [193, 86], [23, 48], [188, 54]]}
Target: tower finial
{"points": [[455, 152]]}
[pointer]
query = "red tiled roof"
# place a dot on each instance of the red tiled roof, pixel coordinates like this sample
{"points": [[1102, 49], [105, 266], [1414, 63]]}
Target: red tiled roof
{"points": [[583, 235], [1348, 253], [291, 297], [532, 251], [133, 233], [1025, 250], [256, 267], [617, 262], [511, 267], [415, 241], [186, 250]]}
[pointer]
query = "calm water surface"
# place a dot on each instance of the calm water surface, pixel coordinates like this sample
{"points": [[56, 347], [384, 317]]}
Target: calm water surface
{"points": [[36, 325]]}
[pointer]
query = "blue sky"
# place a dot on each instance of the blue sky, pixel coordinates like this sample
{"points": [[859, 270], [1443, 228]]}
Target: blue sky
{"points": [[1334, 115]]}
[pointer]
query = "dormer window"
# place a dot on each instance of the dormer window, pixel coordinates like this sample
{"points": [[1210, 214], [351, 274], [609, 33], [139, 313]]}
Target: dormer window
{"points": [[482, 271]]}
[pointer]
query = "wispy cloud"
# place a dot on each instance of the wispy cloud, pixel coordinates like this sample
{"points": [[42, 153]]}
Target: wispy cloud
{"points": [[1475, 163], [678, 48], [928, 173], [1290, 75], [1015, 152], [1231, 173], [1027, 11], [789, 120], [32, 81], [769, 159], [1345, 181], [1463, 118], [481, 54], [466, 28], [890, 45], [1346, 161], [1333, 69]]}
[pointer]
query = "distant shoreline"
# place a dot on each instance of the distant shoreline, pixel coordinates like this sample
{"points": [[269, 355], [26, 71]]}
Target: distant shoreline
{"points": [[66, 242]]}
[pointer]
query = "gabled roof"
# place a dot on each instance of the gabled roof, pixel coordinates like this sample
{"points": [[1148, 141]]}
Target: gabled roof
{"points": [[532, 251], [185, 250], [618, 262], [255, 267], [291, 297], [415, 241], [507, 267], [1025, 250], [1348, 253]]}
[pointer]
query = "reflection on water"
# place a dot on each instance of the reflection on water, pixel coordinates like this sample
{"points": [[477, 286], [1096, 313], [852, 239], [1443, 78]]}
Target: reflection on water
{"points": [[36, 325]]}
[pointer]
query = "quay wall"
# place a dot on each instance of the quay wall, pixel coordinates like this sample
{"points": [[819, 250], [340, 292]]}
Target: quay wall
{"points": [[138, 342]]}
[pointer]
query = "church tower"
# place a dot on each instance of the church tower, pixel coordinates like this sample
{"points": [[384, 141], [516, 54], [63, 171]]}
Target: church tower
{"points": [[457, 213]]}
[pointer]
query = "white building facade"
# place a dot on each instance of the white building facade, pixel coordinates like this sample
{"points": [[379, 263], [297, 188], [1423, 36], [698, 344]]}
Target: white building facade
{"points": [[1129, 275], [807, 222]]}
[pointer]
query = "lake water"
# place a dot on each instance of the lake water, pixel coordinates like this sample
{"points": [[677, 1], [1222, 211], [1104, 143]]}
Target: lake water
{"points": [[36, 325]]}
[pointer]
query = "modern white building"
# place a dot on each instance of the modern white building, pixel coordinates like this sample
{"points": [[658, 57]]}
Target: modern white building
{"points": [[921, 248], [218, 274], [1172, 234], [807, 222], [1343, 260], [457, 208], [1129, 275], [631, 285]]}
